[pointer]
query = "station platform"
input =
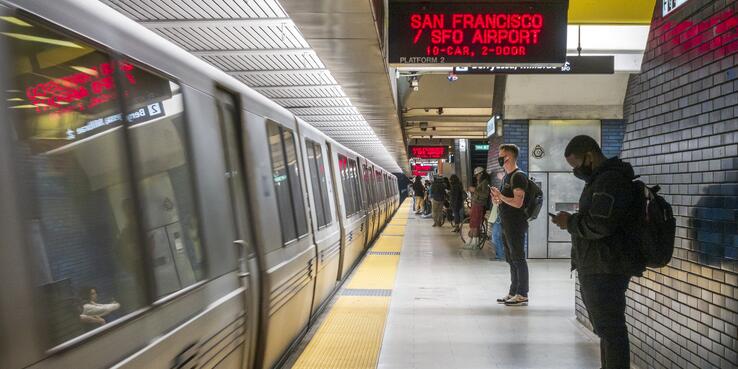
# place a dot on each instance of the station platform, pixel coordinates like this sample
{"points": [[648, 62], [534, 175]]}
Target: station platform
{"points": [[418, 300]]}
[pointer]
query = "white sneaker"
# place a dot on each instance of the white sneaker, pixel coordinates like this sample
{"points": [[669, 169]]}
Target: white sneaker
{"points": [[517, 300], [502, 300]]}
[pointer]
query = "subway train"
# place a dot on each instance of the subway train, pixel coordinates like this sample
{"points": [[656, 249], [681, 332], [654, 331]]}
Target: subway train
{"points": [[156, 212]]}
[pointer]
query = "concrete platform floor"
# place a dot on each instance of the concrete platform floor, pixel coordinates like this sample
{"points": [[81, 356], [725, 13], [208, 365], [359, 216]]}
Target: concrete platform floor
{"points": [[443, 312]]}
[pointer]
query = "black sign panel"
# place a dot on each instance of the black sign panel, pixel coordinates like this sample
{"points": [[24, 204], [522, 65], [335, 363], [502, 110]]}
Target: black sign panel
{"points": [[573, 65], [468, 33]]}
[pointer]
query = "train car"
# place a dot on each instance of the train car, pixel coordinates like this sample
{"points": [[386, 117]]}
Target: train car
{"points": [[353, 214], [324, 214], [372, 219], [155, 211]]}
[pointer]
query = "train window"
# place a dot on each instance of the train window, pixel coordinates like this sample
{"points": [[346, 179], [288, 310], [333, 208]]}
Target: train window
{"points": [[367, 184], [72, 158], [354, 170], [377, 182], [281, 185], [293, 169], [156, 127], [387, 183], [286, 176], [315, 182], [319, 159], [318, 180], [344, 169]]}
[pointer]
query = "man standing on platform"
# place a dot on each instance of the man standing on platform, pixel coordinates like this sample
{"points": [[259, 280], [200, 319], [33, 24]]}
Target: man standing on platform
{"points": [[419, 193], [514, 224], [604, 252]]}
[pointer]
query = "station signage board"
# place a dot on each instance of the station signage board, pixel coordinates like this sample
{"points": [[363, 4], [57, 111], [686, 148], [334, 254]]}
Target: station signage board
{"points": [[604, 64], [477, 32], [669, 6], [491, 126], [424, 168], [484, 147], [428, 152]]}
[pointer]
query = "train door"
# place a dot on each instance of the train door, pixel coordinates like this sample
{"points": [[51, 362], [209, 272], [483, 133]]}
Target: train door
{"points": [[232, 132]]}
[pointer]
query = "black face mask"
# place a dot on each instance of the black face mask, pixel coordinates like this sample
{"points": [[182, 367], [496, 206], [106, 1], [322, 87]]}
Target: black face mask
{"points": [[583, 172], [501, 160]]}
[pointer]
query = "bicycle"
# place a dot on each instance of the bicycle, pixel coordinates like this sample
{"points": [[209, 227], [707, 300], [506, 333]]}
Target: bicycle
{"points": [[483, 235], [448, 214]]}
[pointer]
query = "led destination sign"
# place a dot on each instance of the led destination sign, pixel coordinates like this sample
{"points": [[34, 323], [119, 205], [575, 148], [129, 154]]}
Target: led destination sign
{"points": [[428, 152], [477, 33]]}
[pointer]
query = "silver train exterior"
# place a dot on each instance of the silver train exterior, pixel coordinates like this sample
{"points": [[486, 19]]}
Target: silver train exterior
{"points": [[156, 212]]}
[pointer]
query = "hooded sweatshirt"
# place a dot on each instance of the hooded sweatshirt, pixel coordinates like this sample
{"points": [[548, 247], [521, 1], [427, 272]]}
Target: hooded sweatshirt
{"points": [[602, 229]]}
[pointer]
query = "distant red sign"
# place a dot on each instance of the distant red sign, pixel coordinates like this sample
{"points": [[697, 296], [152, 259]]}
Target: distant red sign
{"points": [[419, 173], [428, 152], [424, 168]]}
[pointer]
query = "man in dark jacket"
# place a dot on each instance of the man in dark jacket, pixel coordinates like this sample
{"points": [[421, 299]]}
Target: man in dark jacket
{"points": [[438, 196], [603, 249], [419, 193]]}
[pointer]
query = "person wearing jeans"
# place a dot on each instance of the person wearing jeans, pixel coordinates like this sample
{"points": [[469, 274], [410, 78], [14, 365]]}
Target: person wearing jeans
{"points": [[514, 224], [497, 239]]}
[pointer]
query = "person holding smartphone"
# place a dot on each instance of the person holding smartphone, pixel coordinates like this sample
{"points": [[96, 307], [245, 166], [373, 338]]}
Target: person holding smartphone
{"points": [[604, 252], [514, 224]]}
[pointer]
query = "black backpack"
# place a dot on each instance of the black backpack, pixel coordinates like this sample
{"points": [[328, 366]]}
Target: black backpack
{"points": [[533, 199], [656, 227]]}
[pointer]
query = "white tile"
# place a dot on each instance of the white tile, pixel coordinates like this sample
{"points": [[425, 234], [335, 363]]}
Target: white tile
{"points": [[443, 312]]}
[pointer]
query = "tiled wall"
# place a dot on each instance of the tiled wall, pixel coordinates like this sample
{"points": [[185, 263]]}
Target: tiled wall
{"points": [[682, 133], [612, 136], [516, 132]]}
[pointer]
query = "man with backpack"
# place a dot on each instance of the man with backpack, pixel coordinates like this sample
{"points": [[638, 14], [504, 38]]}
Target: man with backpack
{"points": [[514, 221], [606, 249]]}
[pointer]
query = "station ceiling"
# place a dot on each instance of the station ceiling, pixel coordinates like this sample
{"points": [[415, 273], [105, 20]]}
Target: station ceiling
{"points": [[258, 43]]}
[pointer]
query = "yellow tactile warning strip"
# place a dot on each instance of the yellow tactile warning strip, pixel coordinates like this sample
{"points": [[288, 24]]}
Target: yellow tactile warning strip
{"points": [[399, 222], [351, 335], [376, 272], [394, 230], [388, 244]]}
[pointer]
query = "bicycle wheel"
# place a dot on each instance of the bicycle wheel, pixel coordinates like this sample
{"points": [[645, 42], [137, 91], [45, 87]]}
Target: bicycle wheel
{"points": [[483, 236], [464, 230]]}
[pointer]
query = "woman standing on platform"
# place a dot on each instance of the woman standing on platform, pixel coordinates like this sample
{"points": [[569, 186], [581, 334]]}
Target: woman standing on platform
{"points": [[479, 205]]}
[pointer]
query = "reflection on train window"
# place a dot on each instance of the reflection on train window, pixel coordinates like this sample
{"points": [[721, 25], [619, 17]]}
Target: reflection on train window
{"points": [[290, 149], [377, 181], [72, 158], [318, 181], [367, 184], [348, 201], [286, 177], [159, 144], [319, 159], [354, 170]]}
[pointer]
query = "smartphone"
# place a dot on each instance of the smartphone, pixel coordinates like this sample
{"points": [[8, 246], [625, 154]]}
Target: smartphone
{"points": [[551, 215]]}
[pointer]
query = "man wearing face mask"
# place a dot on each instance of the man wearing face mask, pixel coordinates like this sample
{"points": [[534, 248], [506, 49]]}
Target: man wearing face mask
{"points": [[514, 224], [604, 252]]}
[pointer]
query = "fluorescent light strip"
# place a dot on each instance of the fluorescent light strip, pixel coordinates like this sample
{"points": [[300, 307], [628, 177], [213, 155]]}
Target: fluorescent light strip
{"points": [[45, 40]]}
